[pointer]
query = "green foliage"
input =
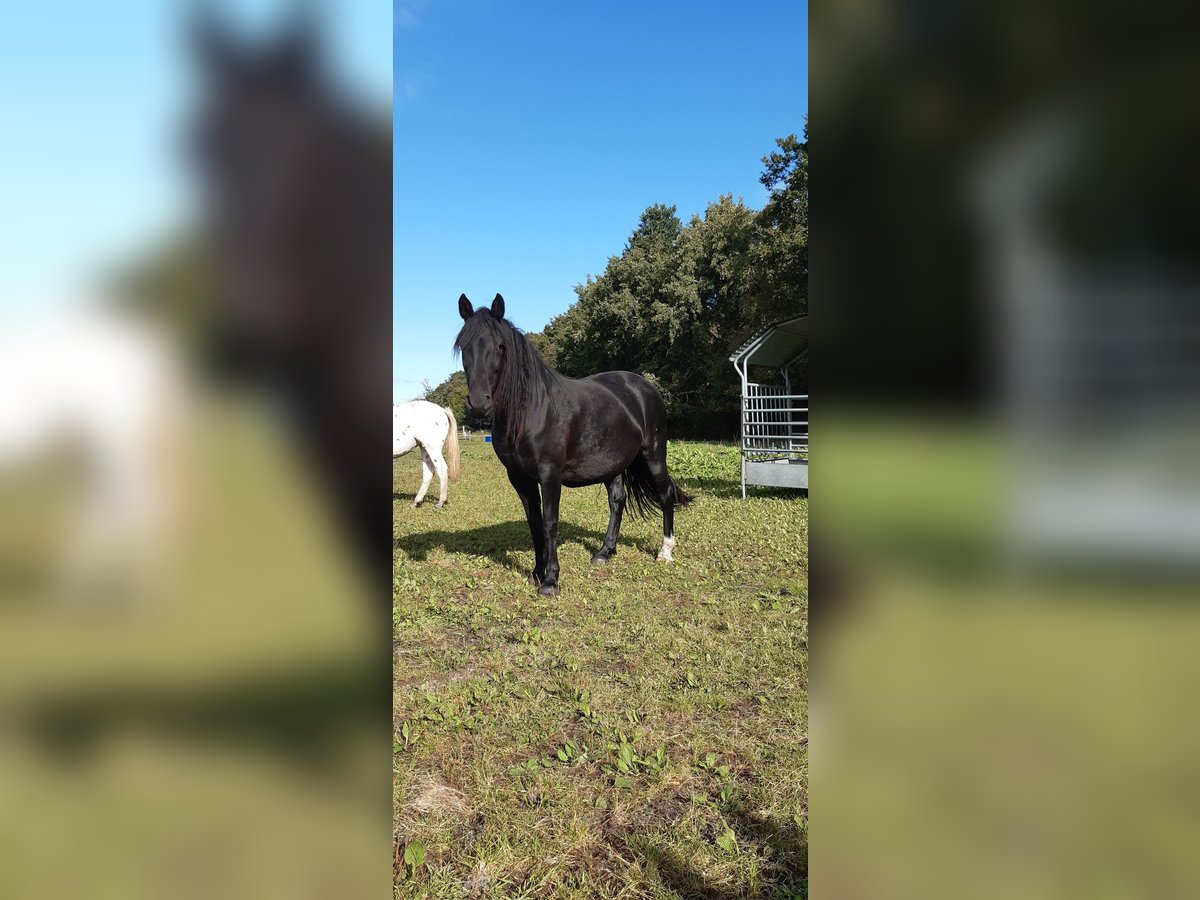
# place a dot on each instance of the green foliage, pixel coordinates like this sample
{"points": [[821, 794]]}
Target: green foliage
{"points": [[414, 858], [680, 297], [704, 462], [453, 393], [779, 250], [658, 228], [628, 762], [570, 752]]}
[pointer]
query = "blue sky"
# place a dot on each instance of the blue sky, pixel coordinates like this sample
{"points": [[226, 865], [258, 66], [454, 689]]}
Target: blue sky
{"points": [[529, 137], [93, 94]]}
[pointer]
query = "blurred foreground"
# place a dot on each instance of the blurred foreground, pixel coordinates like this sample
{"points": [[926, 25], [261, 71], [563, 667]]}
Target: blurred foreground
{"points": [[981, 727], [194, 673], [1006, 491], [220, 732]]}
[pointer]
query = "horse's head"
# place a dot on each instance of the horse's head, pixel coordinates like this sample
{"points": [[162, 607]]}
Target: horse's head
{"points": [[484, 352], [257, 141]]}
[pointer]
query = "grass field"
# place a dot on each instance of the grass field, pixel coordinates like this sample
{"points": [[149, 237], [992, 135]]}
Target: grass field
{"points": [[644, 734]]}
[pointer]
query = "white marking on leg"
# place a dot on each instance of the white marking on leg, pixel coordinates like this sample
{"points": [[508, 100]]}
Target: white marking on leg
{"points": [[668, 545]]}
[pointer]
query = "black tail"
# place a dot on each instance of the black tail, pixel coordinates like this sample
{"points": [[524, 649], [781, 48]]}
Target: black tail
{"points": [[640, 488]]}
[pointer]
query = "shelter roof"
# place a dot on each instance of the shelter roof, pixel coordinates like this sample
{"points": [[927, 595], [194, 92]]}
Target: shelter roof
{"points": [[778, 345]]}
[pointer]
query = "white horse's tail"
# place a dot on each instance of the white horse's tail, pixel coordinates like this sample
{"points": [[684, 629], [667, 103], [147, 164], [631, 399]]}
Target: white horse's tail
{"points": [[452, 454]]}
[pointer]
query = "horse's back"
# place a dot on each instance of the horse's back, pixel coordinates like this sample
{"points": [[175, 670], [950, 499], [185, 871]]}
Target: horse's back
{"points": [[623, 382], [418, 422], [421, 411], [634, 392], [618, 415]]}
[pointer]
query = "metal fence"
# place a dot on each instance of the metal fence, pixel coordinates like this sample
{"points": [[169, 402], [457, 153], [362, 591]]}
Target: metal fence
{"points": [[774, 440], [774, 432], [774, 422]]}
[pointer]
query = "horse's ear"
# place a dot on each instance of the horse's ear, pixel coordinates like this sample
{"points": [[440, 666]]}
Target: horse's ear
{"points": [[298, 42], [464, 307], [209, 37], [498, 307]]}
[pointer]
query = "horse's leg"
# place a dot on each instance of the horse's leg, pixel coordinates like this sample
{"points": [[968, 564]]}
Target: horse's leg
{"points": [[527, 490], [551, 493], [426, 477], [616, 506], [665, 487], [439, 465]]}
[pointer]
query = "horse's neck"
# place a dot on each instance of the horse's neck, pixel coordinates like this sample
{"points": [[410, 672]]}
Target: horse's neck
{"points": [[502, 431], [500, 422]]}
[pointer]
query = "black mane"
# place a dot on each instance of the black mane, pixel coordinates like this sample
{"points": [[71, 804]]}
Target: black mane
{"points": [[524, 376]]}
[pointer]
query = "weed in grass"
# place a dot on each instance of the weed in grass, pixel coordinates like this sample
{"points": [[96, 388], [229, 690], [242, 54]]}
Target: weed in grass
{"points": [[414, 858]]}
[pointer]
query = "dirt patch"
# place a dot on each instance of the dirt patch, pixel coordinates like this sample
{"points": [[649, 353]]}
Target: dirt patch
{"points": [[429, 685], [430, 795]]}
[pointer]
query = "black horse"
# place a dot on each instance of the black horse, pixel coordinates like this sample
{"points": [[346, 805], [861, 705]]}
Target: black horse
{"points": [[299, 206], [550, 430]]}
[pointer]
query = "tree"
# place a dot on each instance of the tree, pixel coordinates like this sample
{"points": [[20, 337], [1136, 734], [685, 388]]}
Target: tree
{"points": [[658, 227], [780, 243], [666, 308], [453, 393], [679, 298]]}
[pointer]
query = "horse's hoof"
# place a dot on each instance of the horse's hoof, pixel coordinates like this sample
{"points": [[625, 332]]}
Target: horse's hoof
{"points": [[548, 590], [439, 505], [414, 504], [601, 558]]}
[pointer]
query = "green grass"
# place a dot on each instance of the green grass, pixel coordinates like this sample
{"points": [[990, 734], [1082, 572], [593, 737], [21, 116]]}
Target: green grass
{"points": [[644, 734]]}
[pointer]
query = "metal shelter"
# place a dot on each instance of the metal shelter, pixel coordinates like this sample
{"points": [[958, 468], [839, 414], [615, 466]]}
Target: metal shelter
{"points": [[774, 432]]}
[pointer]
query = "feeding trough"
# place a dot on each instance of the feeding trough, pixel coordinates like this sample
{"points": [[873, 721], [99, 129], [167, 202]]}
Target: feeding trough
{"points": [[774, 427]]}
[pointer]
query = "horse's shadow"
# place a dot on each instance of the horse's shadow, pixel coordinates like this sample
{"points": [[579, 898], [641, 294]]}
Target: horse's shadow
{"points": [[789, 860], [501, 542]]}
